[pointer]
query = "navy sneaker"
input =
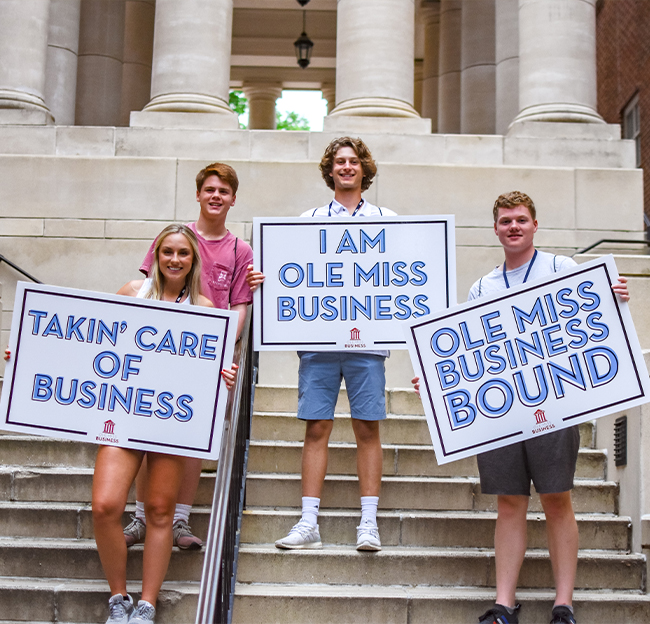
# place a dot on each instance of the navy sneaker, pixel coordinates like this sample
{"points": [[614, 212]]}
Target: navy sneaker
{"points": [[562, 615], [498, 614]]}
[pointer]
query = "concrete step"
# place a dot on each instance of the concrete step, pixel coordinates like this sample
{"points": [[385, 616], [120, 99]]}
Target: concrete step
{"points": [[61, 484], [37, 451], [36, 600], [430, 493], [358, 604], [78, 559], [396, 565], [432, 529], [69, 520], [398, 459], [396, 429]]}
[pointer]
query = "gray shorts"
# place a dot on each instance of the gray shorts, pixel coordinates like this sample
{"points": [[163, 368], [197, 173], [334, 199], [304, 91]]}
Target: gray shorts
{"points": [[549, 461]]}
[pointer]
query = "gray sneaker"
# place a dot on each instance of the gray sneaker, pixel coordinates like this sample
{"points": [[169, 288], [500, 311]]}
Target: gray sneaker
{"points": [[302, 535], [134, 533], [183, 537], [144, 613], [120, 609]]}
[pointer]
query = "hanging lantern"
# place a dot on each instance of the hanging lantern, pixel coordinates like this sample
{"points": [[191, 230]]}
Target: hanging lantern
{"points": [[303, 44]]}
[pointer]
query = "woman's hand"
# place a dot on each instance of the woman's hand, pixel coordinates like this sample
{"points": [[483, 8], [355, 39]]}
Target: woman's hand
{"points": [[7, 354], [621, 289], [416, 385], [253, 278], [230, 376]]}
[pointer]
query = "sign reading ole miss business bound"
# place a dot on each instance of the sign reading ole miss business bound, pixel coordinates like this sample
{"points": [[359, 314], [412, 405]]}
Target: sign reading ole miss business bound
{"points": [[120, 371], [530, 360], [339, 284]]}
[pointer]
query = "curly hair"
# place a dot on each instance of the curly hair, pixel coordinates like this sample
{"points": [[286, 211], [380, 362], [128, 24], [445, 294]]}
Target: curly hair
{"points": [[224, 172], [511, 200], [193, 279], [361, 150]]}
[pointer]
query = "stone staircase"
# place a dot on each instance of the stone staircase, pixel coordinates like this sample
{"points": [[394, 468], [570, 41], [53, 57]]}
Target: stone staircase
{"points": [[49, 567], [437, 562]]}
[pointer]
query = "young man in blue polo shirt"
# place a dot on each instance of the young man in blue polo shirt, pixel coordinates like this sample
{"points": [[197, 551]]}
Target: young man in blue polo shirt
{"points": [[548, 461], [348, 169]]}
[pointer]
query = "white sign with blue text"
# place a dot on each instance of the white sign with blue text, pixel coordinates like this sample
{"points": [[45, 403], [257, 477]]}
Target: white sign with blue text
{"points": [[530, 360], [119, 371], [339, 284]]}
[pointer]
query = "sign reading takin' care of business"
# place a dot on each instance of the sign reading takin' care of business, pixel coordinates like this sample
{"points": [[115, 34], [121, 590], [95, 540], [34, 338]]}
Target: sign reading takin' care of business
{"points": [[531, 360], [338, 284], [116, 370]]}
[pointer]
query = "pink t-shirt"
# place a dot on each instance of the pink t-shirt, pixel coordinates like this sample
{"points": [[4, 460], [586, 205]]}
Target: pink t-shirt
{"points": [[223, 272]]}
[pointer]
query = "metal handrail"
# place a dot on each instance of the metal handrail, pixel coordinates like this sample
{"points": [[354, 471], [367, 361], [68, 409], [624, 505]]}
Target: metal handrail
{"points": [[220, 563], [17, 268], [612, 240]]}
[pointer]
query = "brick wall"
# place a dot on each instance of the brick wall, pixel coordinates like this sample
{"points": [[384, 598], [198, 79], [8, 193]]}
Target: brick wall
{"points": [[623, 56]]}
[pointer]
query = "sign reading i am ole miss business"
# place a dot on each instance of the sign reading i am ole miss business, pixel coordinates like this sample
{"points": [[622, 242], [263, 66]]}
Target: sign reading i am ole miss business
{"points": [[530, 360], [118, 371], [338, 284]]}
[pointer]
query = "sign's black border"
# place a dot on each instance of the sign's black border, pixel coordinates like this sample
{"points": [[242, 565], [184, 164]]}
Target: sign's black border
{"points": [[478, 303], [133, 302], [319, 222]]}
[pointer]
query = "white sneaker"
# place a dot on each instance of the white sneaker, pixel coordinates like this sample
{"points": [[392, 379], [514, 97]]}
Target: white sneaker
{"points": [[144, 614], [120, 609], [368, 537], [302, 535]]}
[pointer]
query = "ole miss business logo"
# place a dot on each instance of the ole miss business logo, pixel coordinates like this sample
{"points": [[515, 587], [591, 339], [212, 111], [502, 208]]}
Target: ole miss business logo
{"points": [[355, 340], [108, 435], [542, 424]]}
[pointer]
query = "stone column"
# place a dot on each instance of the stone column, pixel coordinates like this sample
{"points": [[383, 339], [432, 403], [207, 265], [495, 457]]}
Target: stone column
{"points": [[62, 50], [449, 73], [431, 17], [23, 56], [477, 87], [191, 63], [374, 61], [329, 94], [557, 61], [99, 74], [261, 105], [138, 53], [418, 77], [507, 63]]}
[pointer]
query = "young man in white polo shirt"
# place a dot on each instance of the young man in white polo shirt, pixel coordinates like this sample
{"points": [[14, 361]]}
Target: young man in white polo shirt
{"points": [[348, 169], [548, 461]]}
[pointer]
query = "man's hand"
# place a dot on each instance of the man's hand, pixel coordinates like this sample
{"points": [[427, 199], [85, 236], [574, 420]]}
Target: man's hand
{"points": [[253, 278], [621, 289]]}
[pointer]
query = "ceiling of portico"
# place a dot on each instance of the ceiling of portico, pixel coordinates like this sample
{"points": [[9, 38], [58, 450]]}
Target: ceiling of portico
{"points": [[263, 34]]}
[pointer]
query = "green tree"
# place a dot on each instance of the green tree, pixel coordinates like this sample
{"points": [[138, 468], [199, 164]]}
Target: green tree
{"points": [[291, 121], [238, 103]]}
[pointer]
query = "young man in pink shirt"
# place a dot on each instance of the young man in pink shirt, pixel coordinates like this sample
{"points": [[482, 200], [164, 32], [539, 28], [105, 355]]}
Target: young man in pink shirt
{"points": [[224, 259]]}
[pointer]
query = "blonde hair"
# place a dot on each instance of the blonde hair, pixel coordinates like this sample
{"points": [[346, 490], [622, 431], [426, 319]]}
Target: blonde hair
{"points": [[193, 279]]}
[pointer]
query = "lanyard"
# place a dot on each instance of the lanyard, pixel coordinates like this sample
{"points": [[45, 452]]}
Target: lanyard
{"points": [[178, 299], [530, 266], [329, 212]]}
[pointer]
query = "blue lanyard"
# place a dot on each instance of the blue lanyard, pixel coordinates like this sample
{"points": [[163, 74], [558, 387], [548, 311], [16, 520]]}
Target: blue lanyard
{"points": [[530, 266], [329, 212]]}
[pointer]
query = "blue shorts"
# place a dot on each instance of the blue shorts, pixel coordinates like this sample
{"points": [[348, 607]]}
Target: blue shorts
{"points": [[319, 381]]}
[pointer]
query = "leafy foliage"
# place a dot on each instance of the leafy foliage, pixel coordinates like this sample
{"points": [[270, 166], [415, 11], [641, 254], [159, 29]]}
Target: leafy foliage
{"points": [[291, 121], [238, 102]]}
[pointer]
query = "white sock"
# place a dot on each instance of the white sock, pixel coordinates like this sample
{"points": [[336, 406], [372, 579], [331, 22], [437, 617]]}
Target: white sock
{"points": [[310, 507], [369, 509], [182, 512], [139, 512]]}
